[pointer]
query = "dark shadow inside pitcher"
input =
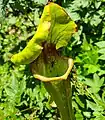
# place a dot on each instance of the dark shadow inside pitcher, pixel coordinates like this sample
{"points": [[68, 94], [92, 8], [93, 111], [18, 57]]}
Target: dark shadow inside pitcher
{"points": [[50, 63]]}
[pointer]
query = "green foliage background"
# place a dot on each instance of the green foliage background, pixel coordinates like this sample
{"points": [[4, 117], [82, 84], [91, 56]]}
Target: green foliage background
{"points": [[21, 96]]}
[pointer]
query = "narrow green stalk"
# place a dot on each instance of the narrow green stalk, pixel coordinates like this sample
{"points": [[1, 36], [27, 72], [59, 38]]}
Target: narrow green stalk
{"points": [[61, 94]]}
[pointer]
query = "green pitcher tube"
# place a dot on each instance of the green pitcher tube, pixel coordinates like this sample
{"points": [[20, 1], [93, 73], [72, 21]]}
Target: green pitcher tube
{"points": [[56, 79]]}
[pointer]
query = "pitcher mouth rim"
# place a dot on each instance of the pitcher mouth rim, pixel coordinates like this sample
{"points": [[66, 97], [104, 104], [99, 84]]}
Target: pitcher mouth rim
{"points": [[62, 77]]}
